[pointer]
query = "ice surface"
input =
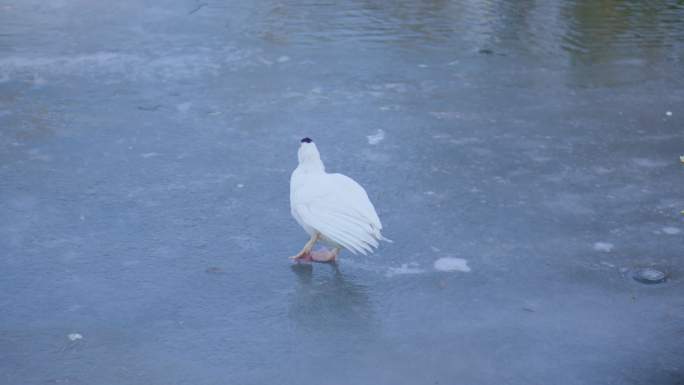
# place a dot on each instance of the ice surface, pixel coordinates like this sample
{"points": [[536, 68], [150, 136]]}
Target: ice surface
{"points": [[145, 154]]}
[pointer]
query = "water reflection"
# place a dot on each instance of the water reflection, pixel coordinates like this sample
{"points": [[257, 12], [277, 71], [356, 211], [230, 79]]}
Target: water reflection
{"points": [[329, 301], [582, 30], [602, 31]]}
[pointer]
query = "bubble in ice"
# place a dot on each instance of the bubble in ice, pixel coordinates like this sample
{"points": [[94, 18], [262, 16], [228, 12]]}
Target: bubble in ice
{"points": [[649, 275]]}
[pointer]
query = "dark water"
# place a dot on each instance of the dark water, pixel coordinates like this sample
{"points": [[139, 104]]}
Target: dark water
{"points": [[145, 152]]}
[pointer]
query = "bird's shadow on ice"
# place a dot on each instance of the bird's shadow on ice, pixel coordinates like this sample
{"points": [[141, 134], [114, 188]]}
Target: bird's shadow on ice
{"points": [[327, 299]]}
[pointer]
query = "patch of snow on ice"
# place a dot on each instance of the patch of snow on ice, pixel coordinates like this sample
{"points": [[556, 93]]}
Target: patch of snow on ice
{"points": [[671, 230], [603, 246], [377, 137], [452, 264]]}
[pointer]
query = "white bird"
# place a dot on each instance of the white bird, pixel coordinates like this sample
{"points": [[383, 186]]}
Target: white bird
{"points": [[332, 208]]}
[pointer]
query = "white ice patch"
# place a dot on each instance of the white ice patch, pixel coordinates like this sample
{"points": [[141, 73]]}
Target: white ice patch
{"points": [[606, 247], [668, 113], [405, 268], [451, 264], [74, 337], [283, 59], [671, 230], [376, 138], [149, 155]]}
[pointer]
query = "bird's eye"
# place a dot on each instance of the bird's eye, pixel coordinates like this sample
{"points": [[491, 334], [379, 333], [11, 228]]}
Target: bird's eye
{"points": [[306, 140]]}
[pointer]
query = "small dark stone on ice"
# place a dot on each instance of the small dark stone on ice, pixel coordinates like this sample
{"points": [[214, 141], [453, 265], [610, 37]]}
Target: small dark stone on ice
{"points": [[486, 51], [649, 276], [214, 270]]}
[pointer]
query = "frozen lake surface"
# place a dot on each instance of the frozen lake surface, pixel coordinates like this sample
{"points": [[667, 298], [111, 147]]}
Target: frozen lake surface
{"points": [[523, 156]]}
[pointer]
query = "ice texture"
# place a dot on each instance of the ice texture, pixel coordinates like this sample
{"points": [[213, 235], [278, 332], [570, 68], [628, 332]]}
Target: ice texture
{"points": [[145, 154]]}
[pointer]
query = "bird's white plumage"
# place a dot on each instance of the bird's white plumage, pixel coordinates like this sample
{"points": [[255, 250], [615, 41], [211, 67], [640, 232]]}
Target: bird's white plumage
{"points": [[333, 205]]}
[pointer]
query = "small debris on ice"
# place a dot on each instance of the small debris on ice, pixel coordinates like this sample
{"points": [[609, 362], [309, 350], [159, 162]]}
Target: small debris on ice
{"points": [[75, 337], [197, 8]]}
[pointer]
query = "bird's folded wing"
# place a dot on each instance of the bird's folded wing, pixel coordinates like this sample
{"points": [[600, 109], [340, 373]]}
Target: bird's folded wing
{"points": [[342, 225], [352, 195]]}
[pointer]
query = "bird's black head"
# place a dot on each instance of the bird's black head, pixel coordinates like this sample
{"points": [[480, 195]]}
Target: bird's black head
{"points": [[306, 140]]}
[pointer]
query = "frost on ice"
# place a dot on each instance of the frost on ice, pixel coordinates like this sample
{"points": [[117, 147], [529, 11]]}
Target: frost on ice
{"points": [[405, 268]]}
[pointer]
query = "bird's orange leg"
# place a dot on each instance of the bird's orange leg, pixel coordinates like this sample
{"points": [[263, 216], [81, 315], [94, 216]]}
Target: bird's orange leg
{"points": [[325, 255], [306, 250]]}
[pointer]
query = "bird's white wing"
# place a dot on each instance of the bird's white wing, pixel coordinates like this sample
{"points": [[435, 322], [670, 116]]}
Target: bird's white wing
{"points": [[339, 208]]}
